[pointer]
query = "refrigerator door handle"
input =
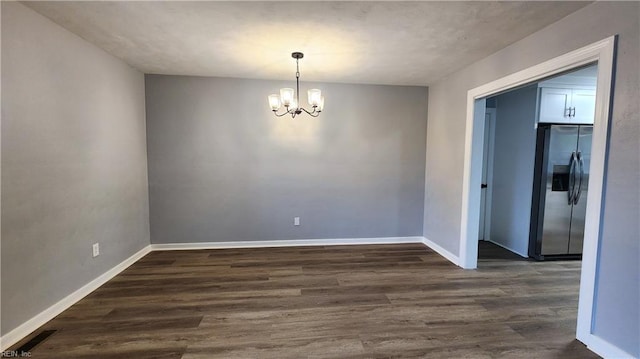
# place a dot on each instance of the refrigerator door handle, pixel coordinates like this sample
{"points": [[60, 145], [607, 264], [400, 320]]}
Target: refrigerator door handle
{"points": [[572, 179], [581, 166]]}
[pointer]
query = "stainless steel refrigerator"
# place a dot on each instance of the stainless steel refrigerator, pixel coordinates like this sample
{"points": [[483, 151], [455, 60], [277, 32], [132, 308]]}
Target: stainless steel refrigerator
{"points": [[563, 156]]}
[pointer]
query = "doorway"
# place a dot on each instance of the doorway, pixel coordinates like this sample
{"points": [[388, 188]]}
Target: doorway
{"points": [[536, 155], [602, 53]]}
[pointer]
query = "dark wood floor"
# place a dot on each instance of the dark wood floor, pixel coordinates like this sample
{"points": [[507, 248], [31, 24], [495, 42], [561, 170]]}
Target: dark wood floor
{"points": [[489, 252], [370, 301]]}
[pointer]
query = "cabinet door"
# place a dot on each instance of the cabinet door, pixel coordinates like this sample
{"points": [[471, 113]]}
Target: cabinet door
{"points": [[583, 103], [554, 105]]}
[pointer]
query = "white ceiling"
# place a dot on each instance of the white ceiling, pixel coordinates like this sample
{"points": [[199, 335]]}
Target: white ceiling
{"points": [[400, 43]]}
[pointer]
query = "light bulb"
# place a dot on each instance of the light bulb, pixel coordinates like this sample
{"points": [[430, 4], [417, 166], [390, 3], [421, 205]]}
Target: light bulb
{"points": [[321, 104], [294, 104], [286, 96], [274, 102], [314, 97]]}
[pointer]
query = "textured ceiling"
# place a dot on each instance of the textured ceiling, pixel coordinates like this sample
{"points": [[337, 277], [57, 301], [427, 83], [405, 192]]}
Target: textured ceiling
{"points": [[401, 43]]}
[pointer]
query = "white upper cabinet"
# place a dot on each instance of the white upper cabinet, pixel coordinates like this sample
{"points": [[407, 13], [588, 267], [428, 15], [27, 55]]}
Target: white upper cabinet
{"points": [[584, 106], [565, 105], [555, 105]]}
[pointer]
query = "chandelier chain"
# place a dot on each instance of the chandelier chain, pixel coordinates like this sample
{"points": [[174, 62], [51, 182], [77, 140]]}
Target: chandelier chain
{"points": [[298, 81]]}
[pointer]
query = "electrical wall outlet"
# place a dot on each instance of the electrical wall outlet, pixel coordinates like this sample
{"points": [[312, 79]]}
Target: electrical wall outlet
{"points": [[296, 221], [96, 249]]}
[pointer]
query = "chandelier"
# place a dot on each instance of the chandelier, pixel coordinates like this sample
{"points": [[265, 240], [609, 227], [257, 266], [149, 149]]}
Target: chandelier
{"points": [[290, 99]]}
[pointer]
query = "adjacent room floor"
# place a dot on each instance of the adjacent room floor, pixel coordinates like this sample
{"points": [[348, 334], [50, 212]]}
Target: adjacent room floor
{"points": [[338, 301]]}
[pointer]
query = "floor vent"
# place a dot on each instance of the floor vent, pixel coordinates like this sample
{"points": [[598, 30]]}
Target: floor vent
{"points": [[41, 337]]}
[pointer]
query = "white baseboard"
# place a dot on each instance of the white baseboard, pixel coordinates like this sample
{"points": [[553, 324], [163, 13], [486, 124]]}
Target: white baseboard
{"points": [[43, 317], [441, 251], [606, 349], [509, 249], [285, 243]]}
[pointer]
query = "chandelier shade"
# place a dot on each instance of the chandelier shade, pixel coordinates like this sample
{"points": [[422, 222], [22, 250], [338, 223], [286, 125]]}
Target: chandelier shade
{"points": [[290, 98], [274, 102], [286, 96], [314, 97]]}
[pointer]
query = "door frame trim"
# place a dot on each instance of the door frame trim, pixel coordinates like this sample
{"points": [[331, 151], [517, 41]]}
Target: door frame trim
{"points": [[602, 52]]}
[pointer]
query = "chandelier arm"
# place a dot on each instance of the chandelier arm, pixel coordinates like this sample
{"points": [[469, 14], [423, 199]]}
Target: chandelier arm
{"points": [[313, 113], [282, 114]]}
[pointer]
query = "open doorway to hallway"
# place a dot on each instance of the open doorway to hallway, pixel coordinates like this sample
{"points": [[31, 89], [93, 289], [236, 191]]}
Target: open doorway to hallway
{"points": [[602, 53], [536, 160]]}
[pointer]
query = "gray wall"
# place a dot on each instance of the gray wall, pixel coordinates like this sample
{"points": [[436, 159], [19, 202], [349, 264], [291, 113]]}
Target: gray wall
{"points": [[73, 163], [514, 160], [223, 168], [617, 312]]}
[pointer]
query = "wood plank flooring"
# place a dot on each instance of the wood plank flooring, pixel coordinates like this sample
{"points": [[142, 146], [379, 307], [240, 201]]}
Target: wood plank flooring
{"points": [[373, 301]]}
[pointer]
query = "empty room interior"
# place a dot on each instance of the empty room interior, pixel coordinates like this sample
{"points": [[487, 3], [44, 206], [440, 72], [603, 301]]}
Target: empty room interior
{"points": [[320, 179]]}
